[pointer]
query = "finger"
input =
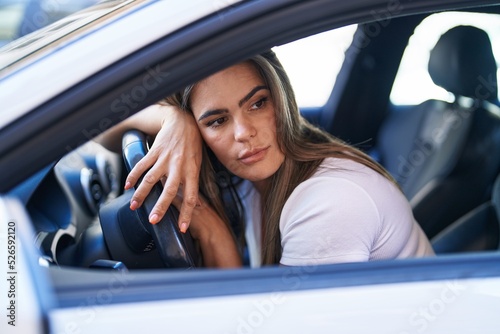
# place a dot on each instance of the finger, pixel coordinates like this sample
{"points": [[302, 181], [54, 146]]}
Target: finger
{"points": [[167, 196], [139, 169], [150, 179], [190, 200]]}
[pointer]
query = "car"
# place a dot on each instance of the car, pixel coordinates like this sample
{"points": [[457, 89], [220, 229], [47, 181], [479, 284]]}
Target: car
{"points": [[412, 83]]}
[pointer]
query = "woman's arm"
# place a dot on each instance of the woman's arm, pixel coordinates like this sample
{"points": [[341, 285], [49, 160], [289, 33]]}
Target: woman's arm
{"points": [[175, 155], [218, 246], [148, 120]]}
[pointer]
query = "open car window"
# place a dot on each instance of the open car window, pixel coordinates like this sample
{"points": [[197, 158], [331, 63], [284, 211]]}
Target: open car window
{"points": [[313, 81]]}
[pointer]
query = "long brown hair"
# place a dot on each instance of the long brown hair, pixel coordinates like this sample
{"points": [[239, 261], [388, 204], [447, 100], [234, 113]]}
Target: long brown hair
{"points": [[304, 146]]}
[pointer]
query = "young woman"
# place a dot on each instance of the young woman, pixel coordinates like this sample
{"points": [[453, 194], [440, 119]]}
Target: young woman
{"points": [[308, 198]]}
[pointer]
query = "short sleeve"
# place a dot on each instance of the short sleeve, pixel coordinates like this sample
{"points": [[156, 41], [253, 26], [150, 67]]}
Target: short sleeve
{"points": [[328, 220]]}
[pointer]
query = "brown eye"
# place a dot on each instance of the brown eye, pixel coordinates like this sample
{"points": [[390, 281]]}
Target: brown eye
{"points": [[216, 122], [259, 104]]}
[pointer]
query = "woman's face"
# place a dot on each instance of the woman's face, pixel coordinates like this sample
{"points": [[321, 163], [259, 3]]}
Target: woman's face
{"points": [[235, 115]]}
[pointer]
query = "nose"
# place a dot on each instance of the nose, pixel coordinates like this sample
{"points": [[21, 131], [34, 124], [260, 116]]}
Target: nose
{"points": [[244, 129]]}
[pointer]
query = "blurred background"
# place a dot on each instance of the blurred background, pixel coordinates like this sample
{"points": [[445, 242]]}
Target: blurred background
{"points": [[21, 17]]}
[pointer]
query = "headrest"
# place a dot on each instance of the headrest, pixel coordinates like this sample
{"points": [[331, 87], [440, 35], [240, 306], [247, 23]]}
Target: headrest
{"points": [[462, 62]]}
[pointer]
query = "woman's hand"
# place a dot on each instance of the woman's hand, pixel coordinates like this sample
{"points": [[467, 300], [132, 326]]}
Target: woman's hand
{"points": [[217, 243], [174, 157]]}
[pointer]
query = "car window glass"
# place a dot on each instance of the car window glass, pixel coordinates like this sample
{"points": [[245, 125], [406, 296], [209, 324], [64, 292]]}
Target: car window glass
{"points": [[413, 84], [313, 63]]}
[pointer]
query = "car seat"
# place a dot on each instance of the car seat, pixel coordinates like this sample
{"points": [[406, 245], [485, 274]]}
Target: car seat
{"points": [[478, 230], [444, 155]]}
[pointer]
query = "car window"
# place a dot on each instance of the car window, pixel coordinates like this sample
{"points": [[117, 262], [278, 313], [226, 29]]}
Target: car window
{"points": [[413, 84], [313, 64]]}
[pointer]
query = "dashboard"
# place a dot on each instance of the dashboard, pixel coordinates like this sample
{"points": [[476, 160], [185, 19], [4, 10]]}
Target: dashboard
{"points": [[63, 201]]}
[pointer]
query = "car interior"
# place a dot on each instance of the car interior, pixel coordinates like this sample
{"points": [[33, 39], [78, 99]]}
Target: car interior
{"points": [[443, 153], [435, 149]]}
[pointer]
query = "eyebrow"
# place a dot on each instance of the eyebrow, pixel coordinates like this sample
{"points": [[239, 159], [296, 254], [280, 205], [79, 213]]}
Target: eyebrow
{"points": [[211, 113], [240, 103], [252, 93]]}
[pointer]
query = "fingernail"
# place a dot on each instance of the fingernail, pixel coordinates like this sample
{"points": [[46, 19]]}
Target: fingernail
{"points": [[184, 227], [153, 219], [134, 205], [127, 185]]}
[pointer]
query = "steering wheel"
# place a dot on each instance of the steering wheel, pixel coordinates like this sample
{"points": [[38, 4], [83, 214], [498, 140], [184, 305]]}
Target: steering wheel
{"points": [[129, 236]]}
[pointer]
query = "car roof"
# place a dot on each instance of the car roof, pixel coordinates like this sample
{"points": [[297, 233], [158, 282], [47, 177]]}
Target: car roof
{"points": [[29, 47]]}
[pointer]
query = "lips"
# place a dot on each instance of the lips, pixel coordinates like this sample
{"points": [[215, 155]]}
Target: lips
{"points": [[253, 156]]}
